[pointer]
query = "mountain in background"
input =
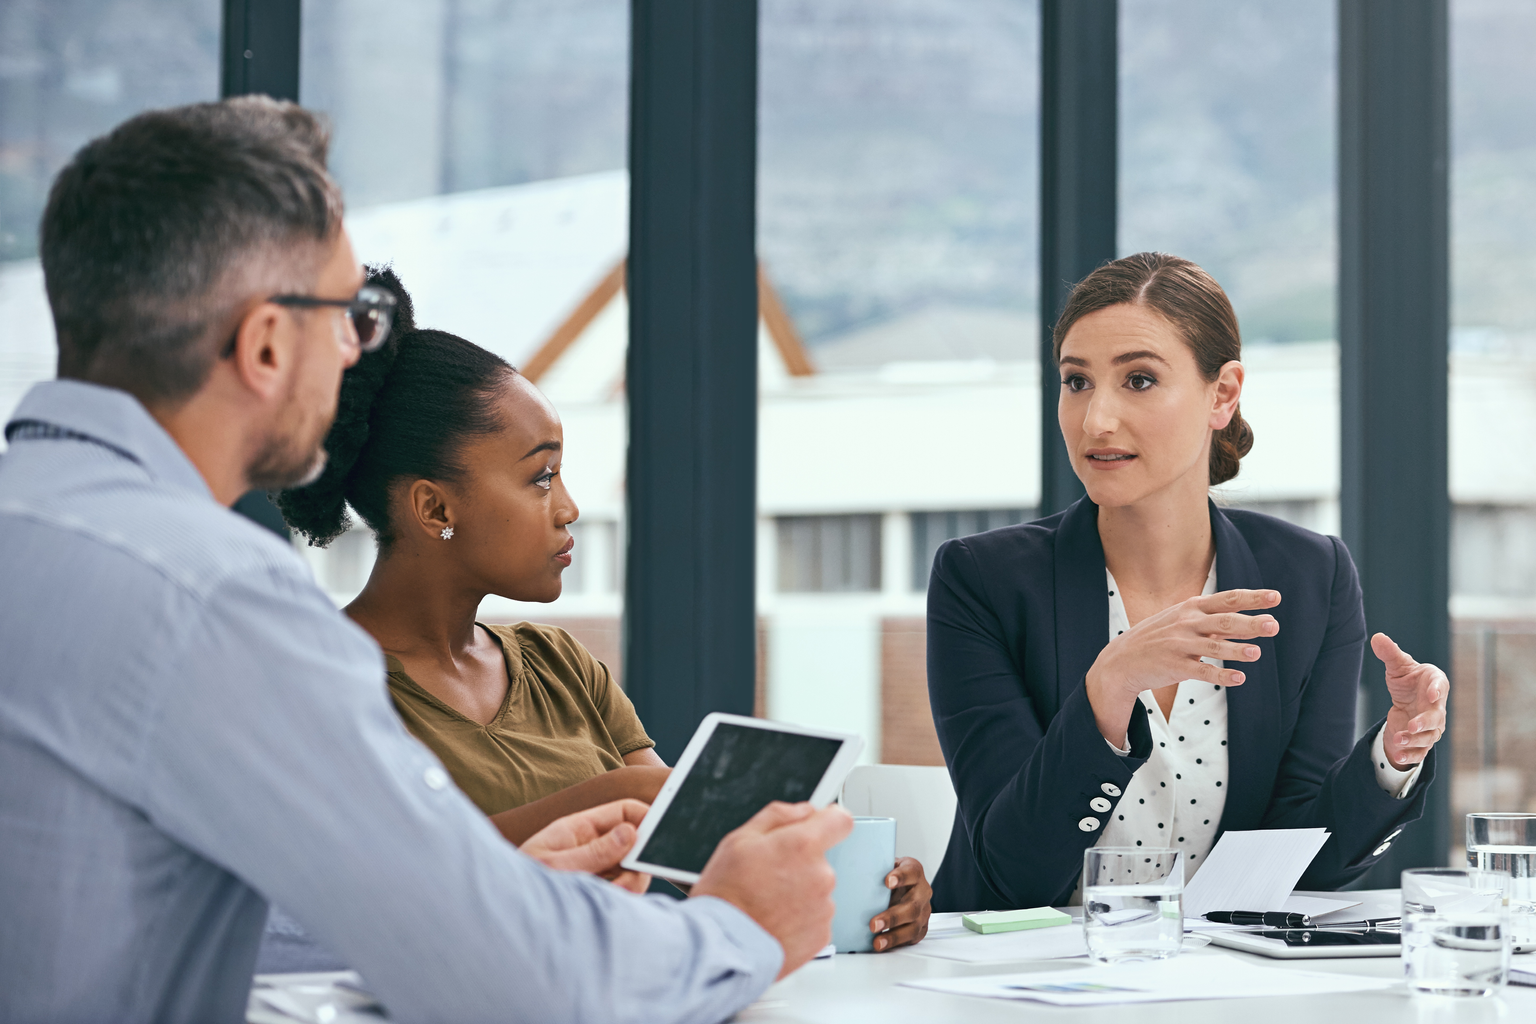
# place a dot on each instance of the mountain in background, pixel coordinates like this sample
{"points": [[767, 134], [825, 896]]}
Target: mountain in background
{"points": [[898, 153]]}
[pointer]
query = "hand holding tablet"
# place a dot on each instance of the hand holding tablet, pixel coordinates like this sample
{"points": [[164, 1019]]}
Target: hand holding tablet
{"points": [[594, 841], [732, 768], [744, 818], [774, 869]]}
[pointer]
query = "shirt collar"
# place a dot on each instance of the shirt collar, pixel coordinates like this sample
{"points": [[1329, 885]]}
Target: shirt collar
{"points": [[117, 420]]}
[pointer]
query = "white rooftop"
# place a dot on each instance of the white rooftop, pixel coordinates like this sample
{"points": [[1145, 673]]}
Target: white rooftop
{"points": [[504, 267]]}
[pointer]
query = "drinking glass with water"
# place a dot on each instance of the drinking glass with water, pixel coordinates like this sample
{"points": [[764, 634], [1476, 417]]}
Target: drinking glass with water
{"points": [[1455, 932], [1133, 903], [1504, 846]]}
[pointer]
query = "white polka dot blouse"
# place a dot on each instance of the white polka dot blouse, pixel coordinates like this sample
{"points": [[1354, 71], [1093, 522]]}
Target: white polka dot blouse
{"points": [[1175, 800]]}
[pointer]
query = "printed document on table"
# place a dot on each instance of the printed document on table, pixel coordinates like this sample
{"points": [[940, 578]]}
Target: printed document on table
{"points": [[1184, 977], [1252, 870]]}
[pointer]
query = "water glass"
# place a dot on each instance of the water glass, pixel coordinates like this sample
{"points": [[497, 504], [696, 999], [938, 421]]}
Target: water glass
{"points": [[1133, 903], [1455, 932], [1504, 846]]}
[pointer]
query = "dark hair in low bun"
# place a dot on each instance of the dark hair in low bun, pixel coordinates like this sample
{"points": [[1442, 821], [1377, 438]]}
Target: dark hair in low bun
{"points": [[1228, 446], [405, 411], [1191, 300]]}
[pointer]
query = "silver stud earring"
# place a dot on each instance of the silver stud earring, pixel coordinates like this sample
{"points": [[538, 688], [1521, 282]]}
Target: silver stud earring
{"points": [[447, 533]]}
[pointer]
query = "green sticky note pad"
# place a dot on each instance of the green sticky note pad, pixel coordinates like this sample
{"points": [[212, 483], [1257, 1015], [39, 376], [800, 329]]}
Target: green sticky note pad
{"points": [[993, 921]]}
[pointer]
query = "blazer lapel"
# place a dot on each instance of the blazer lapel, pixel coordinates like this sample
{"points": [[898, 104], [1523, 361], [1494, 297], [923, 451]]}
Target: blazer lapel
{"points": [[1082, 602], [1253, 709]]}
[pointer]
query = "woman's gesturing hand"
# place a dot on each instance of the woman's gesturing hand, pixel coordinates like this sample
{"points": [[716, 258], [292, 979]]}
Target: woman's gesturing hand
{"points": [[1165, 649], [906, 920], [1419, 693]]}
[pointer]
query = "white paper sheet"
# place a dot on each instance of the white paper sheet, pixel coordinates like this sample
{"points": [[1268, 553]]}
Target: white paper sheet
{"points": [[1316, 906], [1252, 870], [946, 923], [329, 997], [1052, 943], [1184, 977]]}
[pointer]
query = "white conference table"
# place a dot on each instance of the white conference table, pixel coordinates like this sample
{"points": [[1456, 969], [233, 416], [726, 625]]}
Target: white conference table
{"points": [[849, 988], [866, 987]]}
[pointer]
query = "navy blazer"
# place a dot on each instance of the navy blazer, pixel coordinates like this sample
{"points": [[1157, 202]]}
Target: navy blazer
{"points": [[1016, 618]]}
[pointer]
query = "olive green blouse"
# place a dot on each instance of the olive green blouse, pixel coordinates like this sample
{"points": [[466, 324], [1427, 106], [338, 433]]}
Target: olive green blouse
{"points": [[563, 721]]}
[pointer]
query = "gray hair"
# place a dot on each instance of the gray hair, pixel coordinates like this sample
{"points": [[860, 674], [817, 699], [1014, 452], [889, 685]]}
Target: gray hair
{"points": [[156, 233]]}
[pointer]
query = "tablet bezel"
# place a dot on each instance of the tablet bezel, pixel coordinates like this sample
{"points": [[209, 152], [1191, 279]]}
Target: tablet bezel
{"points": [[826, 790], [1276, 949]]}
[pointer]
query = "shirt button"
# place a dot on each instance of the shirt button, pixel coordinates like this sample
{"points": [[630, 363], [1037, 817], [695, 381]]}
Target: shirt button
{"points": [[1110, 789], [1088, 824], [1381, 849], [435, 777], [1099, 804]]}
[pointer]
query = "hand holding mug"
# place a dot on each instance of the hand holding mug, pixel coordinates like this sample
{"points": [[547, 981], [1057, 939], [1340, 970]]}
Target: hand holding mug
{"points": [[906, 921]]}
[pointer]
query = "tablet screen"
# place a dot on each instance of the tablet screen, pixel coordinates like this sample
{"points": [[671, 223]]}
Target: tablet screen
{"points": [[740, 771]]}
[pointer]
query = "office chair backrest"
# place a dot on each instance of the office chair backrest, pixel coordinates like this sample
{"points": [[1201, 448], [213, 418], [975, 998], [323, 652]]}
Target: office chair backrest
{"points": [[919, 797]]}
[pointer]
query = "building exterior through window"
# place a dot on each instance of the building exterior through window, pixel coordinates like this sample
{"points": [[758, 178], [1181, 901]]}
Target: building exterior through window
{"points": [[482, 147]]}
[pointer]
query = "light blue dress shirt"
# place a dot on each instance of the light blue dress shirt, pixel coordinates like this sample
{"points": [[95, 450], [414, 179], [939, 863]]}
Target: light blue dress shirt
{"points": [[189, 728]]}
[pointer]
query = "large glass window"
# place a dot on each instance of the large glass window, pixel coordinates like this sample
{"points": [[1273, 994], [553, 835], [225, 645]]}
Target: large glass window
{"points": [[897, 197], [69, 71], [932, 529], [829, 554], [482, 147], [1493, 405], [1228, 118]]}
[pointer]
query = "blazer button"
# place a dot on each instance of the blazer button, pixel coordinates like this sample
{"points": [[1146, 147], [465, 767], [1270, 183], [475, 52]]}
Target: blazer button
{"points": [[1383, 848], [1099, 804], [1088, 824], [1110, 789]]}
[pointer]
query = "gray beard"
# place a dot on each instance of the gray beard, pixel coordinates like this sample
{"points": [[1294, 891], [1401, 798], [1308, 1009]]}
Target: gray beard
{"points": [[316, 468], [279, 467]]}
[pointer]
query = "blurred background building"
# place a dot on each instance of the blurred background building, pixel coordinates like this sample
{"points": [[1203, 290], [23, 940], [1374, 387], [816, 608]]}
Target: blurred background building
{"points": [[482, 146]]}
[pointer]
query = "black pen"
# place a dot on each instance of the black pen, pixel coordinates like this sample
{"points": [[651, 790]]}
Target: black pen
{"points": [[1374, 924], [1271, 919], [1369, 925]]}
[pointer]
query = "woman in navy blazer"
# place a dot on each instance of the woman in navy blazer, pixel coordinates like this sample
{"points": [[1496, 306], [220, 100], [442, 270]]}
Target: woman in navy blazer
{"points": [[1045, 720]]}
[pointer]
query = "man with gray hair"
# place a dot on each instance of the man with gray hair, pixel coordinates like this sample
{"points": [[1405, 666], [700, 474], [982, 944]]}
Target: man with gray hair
{"points": [[188, 727]]}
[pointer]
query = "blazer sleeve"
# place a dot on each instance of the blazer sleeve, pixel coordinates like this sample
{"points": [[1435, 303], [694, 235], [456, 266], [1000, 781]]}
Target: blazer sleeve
{"points": [[1316, 787], [1026, 780]]}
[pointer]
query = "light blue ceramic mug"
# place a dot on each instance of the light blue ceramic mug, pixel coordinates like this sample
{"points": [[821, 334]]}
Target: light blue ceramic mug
{"points": [[861, 861]]}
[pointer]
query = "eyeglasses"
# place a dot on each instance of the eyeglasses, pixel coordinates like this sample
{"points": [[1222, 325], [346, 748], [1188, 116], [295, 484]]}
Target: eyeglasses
{"points": [[372, 310]]}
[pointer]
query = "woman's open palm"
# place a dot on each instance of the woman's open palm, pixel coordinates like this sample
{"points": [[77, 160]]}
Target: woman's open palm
{"points": [[1419, 693]]}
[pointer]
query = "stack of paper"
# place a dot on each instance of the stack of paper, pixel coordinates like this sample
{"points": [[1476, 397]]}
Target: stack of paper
{"points": [[1252, 870], [1203, 977], [1317, 907], [329, 997], [956, 943]]}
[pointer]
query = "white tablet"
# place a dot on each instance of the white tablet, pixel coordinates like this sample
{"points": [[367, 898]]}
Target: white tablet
{"points": [[1253, 942], [734, 767]]}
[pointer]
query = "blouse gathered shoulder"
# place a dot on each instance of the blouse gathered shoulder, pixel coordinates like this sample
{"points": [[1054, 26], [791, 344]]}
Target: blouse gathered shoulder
{"points": [[563, 721], [1017, 616]]}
